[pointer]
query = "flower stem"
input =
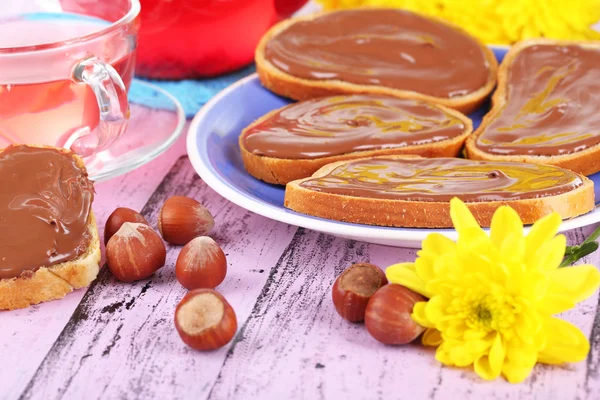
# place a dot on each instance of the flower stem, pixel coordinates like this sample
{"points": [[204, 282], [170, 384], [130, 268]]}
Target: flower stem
{"points": [[574, 253]]}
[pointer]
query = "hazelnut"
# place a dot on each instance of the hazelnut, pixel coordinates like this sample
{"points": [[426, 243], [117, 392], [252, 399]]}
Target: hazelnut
{"points": [[387, 317], [135, 252], [181, 219], [353, 289], [117, 218], [201, 264], [205, 320]]}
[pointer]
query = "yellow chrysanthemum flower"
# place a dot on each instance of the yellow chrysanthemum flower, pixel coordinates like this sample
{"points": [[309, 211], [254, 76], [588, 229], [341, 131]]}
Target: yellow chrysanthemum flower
{"points": [[502, 21], [491, 298]]}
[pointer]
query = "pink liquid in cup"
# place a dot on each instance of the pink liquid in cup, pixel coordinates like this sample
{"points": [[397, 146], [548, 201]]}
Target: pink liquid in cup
{"points": [[39, 102]]}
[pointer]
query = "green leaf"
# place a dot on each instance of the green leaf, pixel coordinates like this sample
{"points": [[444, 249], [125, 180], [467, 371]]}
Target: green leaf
{"points": [[570, 250], [592, 237], [568, 261], [586, 249], [577, 252]]}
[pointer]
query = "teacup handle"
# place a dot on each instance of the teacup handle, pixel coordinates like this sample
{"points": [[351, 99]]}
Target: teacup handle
{"points": [[111, 96]]}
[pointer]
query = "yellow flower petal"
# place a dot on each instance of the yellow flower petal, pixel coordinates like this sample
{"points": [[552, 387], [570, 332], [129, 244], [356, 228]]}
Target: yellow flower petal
{"points": [[534, 286], [555, 303], [489, 366], [478, 346], [437, 243], [434, 310], [440, 286], [455, 330], [491, 297], [528, 324], [474, 256], [502, 21], [569, 286], [505, 222], [550, 254], [451, 326], [518, 364], [461, 356], [435, 246], [464, 353], [442, 353], [542, 230], [418, 315], [578, 282], [464, 222], [432, 337], [512, 250], [474, 334], [405, 274], [424, 268], [565, 343]]}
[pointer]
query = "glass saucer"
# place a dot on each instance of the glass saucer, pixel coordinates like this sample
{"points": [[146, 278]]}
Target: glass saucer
{"points": [[156, 121]]}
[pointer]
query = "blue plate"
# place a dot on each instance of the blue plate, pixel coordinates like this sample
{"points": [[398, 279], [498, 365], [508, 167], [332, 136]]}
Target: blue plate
{"points": [[212, 145]]}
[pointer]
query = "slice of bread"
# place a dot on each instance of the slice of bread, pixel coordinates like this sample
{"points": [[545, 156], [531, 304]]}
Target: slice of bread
{"points": [[585, 162], [54, 282], [280, 171], [297, 88], [426, 214]]}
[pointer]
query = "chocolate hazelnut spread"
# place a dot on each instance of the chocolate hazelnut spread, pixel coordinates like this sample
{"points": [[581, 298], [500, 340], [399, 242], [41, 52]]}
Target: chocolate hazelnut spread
{"points": [[382, 47], [45, 202], [553, 96], [344, 124], [441, 179]]}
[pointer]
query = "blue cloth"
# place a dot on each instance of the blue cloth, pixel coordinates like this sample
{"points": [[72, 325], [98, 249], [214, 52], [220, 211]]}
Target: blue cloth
{"points": [[192, 93]]}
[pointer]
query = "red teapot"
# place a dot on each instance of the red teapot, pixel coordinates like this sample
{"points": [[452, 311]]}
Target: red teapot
{"points": [[202, 38]]}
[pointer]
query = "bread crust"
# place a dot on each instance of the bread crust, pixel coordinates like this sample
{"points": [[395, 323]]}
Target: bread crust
{"points": [[421, 214], [295, 88], [280, 171], [54, 282], [585, 162]]}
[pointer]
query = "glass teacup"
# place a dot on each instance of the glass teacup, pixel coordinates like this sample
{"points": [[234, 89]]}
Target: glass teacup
{"points": [[65, 67]]}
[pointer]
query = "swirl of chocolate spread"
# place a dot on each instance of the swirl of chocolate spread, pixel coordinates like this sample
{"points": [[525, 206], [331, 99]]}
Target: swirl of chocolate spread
{"points": [[382, 47], [337, 125], [441, 179], [45, 203], [552, 100]]}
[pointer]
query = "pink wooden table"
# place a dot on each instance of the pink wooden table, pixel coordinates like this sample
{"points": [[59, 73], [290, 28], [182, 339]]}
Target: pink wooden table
{"points": [[117, 340]]}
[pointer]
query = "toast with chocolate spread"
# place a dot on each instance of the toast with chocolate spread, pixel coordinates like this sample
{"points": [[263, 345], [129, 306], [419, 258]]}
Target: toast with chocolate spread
{"points": [[415, 192], [545, 109], [49, 241], [383, 51], [296, 140]]}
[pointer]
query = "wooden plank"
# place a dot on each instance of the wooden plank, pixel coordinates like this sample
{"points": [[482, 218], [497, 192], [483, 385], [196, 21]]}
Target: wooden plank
{"points": [[27, 335], [592, 378], [121, 342], [295, 345]]}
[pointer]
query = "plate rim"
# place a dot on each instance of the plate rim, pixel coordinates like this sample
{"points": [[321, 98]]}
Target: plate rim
{"points": [[338, 228]]}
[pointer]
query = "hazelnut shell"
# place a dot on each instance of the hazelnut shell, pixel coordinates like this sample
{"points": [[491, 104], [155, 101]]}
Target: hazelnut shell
{"points": [[205, 320], [117, 218], [354, 287], [182, 219], [201, 264], [135, 252], [387, 317]]}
